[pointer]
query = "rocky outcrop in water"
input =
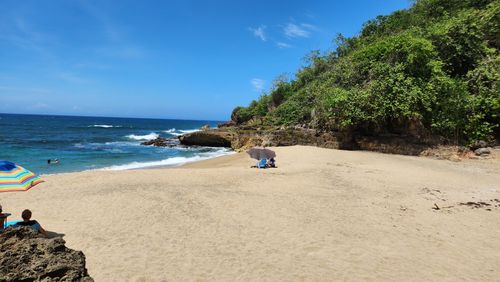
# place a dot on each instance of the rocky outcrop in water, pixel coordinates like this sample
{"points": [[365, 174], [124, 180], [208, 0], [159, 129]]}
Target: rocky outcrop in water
{"points": [[25, 256], [162, 142]]}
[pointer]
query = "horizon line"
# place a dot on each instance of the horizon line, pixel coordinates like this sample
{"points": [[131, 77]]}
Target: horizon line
{"points": [[64, 115]]}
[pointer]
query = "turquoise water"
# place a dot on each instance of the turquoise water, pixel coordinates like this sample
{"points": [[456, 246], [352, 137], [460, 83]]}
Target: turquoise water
{"points": [[85, 143]]}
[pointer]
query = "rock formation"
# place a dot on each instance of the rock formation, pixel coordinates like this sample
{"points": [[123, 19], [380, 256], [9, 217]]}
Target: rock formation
{"points": [[25, 256], [208, 137], [162, 142], [241, 138]]}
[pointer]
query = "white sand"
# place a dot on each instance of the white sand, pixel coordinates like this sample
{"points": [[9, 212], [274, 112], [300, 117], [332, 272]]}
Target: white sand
{"points": [[323, 215]]}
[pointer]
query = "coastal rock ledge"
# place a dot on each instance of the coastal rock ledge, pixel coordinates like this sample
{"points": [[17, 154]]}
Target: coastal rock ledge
{"points": [[244, 138], [240, 138], [207, 137], [25, 256]]}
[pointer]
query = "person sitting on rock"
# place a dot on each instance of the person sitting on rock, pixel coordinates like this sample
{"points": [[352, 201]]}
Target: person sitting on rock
{"points": [[26, 215]]}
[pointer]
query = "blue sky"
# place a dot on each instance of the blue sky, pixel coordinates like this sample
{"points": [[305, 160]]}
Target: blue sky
{"points": [[161, 59]]}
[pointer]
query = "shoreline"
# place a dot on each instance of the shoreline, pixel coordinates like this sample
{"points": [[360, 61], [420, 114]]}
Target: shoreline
{"points": [[220, 160], [229, 153], [354, 215]]}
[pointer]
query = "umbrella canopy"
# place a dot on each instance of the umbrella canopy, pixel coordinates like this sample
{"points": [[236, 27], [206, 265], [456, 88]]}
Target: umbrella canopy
{"points": [[16, 178], [260, 153]]}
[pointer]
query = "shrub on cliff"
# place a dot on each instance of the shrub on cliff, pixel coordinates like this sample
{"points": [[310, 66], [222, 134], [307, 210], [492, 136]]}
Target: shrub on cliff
{"points": [[435, 65]]}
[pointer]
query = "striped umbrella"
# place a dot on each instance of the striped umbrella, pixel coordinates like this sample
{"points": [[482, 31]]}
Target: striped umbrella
{"points": [[16, 178]]}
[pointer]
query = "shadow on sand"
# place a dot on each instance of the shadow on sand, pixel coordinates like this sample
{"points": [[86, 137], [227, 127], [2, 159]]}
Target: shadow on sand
{"points": [[52, 234]]}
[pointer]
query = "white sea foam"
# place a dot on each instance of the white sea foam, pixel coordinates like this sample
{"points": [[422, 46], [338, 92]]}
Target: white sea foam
{"points": [[175, 161], [122, 143], [175, 133], [178, 132], [189, 131], [104, 125], [149, 136]]}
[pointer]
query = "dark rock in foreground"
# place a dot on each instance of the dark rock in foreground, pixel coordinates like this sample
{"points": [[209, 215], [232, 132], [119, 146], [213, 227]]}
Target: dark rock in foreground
{"points": [[478, 144], [482, 151], [25, 256]]}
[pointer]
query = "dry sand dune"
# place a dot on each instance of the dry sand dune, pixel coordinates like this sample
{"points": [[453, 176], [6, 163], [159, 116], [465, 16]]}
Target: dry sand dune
{"points": [[322, 215]]}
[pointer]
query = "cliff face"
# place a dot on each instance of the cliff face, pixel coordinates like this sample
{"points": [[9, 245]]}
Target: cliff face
{"points": [[241, 138], [24, 256], [210, 138]]}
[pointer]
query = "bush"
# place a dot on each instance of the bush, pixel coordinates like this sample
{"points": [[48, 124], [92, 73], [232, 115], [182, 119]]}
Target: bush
{"points": [[296, 110], [436, 65], [241, 115]]}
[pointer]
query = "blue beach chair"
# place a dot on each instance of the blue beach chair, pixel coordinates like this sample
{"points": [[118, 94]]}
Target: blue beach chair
{"points": [[18, 223], [262, 163], [11, 223]]}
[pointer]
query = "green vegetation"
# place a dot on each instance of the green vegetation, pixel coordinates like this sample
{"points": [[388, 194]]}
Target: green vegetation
{"points": [[431, 70]]}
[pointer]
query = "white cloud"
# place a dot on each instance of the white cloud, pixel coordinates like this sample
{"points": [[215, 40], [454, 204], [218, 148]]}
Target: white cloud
{"points": [[18, 31], [283, 45], [310, 15], [40, 105], [309, 26], [118, 45], [125, 52], [259, 32], [292, 30], [258, 84], [113, 32]]}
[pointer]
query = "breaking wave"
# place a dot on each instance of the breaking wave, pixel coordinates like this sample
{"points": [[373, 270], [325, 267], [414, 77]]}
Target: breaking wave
{"points": [[104, 125], [178, 132], [146, 137], [175, 161]]}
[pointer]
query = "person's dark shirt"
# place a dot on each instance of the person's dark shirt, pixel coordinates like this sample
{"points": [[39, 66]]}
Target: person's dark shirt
{"points": [[27, 223]]}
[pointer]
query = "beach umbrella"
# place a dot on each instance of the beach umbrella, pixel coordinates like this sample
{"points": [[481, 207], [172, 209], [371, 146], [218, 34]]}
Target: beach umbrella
{"points": [[260, 153], [16, 178]]}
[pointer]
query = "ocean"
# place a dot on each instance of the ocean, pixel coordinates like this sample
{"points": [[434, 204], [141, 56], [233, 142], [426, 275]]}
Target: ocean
{"points": [[96, 143]]}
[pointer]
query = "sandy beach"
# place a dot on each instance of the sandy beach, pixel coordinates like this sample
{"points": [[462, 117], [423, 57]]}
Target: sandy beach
{"points": [[322, 215]]}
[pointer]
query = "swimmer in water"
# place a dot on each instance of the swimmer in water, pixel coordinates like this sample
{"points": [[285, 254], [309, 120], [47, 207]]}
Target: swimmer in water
{"points": [[54, 161]]}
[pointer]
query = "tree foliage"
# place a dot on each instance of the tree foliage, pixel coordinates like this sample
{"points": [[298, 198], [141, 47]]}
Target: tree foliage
{"points": [[435, 66]]}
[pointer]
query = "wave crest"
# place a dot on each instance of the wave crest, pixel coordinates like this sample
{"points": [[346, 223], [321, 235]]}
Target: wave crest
{"points": [[146, 137], [171, 162], [178, 132], [104, 125]]}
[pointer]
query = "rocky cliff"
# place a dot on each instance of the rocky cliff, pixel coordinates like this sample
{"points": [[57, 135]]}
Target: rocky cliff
{"points": [[25, 256], [241, 138], [210, 138]]}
